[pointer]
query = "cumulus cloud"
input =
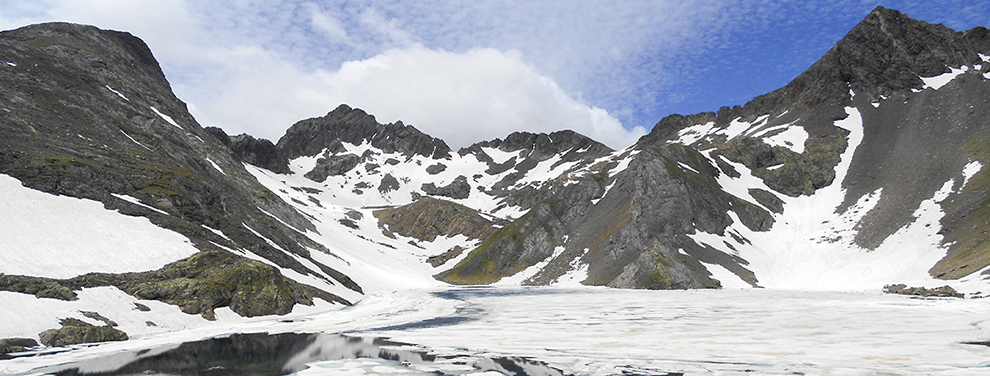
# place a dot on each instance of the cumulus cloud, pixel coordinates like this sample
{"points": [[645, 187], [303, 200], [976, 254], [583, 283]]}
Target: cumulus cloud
{"points": [[460, 97], [466, 97]]}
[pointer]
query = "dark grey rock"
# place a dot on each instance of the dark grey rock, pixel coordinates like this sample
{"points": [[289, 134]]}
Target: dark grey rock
{"points": [[768, 200], [334, 165], [436, 168], [388, 184], [457, 189], [75, 331]]}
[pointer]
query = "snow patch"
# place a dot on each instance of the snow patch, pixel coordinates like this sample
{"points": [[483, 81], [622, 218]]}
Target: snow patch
{"points": [[578, 272], [214, 164], [166, 117], [121, 95], [76, 236], [937, 82], [132, 139], [518, 278], [726, 278], [692, 134], [499, 157], [969, 170], [686, 167], [792, 138], [218, 232], [137, 202]]}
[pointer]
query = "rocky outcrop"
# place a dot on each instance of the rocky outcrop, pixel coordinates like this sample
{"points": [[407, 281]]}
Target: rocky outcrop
{"points": [[534, 148], [428, 218], [457, 189], [938, 292], [914, 140], [198, 285], [75, 331], [333, 165], [12, 345], [885, 53]]}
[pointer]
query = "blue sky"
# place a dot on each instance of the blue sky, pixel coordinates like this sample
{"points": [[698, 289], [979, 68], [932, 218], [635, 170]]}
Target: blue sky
{"points": [[468, 71]]}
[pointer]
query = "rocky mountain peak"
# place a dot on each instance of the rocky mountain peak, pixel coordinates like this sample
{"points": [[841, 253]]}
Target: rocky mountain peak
{"points": [[99, 50], [540, 146], [885, 53], [352, 125]]}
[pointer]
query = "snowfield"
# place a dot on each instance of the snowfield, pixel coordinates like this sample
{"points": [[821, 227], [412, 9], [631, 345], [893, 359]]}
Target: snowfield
{"points": [[62, 237]]}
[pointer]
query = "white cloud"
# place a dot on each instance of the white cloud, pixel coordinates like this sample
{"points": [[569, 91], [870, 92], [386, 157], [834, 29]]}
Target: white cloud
{"points": [[460, 97], [466, 97]]}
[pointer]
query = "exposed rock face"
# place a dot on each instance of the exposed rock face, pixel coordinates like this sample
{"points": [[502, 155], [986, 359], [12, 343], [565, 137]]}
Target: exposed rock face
{"points": [[436, 168], [75, 331], [389, 183], [534, 148], [884, 54], [88, 113]]}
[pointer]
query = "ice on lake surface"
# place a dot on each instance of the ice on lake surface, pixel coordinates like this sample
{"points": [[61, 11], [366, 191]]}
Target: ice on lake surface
{"points": [[597, 331]]}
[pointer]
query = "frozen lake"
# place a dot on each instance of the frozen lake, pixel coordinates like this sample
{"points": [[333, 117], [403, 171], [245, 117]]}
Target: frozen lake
{"points": [[546, 331]]}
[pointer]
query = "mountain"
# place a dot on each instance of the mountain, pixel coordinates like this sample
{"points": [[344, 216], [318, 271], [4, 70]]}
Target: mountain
{"points": [[865, 170]]}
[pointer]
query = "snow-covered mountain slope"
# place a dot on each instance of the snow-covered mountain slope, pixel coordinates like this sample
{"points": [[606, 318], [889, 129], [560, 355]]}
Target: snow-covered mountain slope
{"points": [[152, 207], [866, 170], [352, 188]]}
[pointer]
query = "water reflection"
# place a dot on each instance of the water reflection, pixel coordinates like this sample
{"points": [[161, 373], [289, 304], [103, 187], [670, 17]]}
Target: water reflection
{"points": [[288, 353]]}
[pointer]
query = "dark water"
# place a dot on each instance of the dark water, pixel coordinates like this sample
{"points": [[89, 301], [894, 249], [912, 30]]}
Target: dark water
{"points": [[281, 354]]}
